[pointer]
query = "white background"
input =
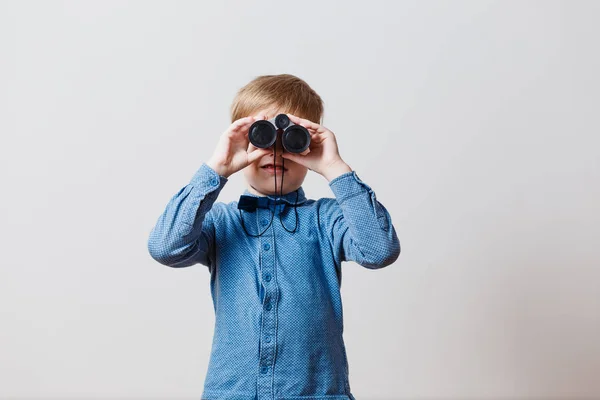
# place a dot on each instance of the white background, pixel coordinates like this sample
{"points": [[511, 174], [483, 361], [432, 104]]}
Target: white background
{"points": [[475, 122]]}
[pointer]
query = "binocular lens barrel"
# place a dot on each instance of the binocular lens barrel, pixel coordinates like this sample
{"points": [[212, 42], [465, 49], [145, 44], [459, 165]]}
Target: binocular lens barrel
{"points": [[282, 121], [296, 140], [263, 134]]}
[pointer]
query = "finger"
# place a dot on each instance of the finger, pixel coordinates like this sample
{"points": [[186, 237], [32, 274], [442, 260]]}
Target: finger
{"points": [[243, 128], [262, 114], [291, 157], [241, 121], [240, 130], [313, 132], [242, 125], [257, 154], [305, 123], [247, 120]]}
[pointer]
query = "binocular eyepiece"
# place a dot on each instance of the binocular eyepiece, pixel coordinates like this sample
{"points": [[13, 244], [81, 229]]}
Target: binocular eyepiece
{"points": [[263, 134]]}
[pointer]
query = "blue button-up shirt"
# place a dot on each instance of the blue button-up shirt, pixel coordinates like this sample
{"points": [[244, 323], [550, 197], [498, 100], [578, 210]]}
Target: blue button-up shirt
{"points": [[278, 308]]}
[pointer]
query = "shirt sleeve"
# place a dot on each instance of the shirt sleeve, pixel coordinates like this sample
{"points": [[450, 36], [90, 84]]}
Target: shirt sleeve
{"points": [[359, 227], [184, 234]]}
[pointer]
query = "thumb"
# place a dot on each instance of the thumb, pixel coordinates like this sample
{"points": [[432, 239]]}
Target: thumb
{"points": [[256, 154], [290, 156]]}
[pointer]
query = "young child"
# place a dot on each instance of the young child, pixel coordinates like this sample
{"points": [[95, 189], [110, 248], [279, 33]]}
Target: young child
{"points": [[275, 262]]}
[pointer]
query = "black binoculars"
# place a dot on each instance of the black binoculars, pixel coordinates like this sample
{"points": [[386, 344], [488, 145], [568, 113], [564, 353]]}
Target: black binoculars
{"points": [[263, 134]]}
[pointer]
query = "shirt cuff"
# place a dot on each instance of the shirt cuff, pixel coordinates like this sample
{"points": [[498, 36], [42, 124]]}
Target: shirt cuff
{"points": [[207, 179], [348, 185]]}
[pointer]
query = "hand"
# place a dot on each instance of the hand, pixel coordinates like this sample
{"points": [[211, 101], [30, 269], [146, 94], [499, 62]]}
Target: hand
{"points": [[324, 157], [233, 152]]}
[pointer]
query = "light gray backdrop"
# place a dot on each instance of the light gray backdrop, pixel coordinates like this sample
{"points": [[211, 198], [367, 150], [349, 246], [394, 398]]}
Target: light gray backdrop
{"points": [[475, 122]]}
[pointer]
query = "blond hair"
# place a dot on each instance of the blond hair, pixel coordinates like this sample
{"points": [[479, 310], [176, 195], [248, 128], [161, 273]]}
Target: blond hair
{"points": [[288, 93]]}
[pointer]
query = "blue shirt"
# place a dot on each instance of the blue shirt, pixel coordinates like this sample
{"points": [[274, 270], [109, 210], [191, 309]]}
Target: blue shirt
{"points": [[278, 308]]}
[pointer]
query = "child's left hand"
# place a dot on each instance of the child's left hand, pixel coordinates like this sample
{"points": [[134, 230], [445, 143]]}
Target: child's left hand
{"points": [[323, 157]]}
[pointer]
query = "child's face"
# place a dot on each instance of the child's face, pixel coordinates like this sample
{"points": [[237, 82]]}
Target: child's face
{"points": [[261, 181]]}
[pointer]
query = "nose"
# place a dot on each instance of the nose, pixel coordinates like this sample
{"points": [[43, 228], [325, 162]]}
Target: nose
{"points": [[278, 146]]}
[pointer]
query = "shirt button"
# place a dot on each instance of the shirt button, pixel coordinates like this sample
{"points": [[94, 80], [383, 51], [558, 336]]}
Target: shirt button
{"points": [[268, 339], [264, 222], [266, 246], [214, 182], [268, 306], [268, 277], [264, 369]]}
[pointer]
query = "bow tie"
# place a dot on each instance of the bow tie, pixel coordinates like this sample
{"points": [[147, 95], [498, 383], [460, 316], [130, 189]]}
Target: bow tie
{"points": [[251, 203]]}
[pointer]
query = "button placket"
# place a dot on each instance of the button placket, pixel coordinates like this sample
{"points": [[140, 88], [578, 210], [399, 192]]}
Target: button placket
{"points": [[269, 307]]}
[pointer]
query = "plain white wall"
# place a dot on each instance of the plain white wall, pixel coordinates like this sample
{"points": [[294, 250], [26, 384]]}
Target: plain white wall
{"points": [[475, 122]]}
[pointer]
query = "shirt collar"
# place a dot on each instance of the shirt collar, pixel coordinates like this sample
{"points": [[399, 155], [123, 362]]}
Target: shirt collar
{"points": [[289, 198]]}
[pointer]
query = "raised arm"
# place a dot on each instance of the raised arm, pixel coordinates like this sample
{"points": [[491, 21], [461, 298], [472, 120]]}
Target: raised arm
{"points": [[184, 233], [359, 227]]}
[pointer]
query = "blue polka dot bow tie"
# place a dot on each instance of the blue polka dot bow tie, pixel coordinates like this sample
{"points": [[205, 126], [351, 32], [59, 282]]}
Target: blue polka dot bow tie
{"points": [[251, 203]]}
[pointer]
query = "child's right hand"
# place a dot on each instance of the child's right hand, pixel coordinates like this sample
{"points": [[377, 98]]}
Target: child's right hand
{"points": [[233, 152]]}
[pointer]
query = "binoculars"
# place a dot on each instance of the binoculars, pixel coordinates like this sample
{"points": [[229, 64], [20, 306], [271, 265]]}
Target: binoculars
{"points": [[263, 134]]}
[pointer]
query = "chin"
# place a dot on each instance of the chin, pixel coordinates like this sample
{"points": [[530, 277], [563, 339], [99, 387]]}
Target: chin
{"points": [[266, 184], [270, 189]]}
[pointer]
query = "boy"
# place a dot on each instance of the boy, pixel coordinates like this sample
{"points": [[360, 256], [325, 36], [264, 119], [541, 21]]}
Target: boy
{"points": [[275, 256]]}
